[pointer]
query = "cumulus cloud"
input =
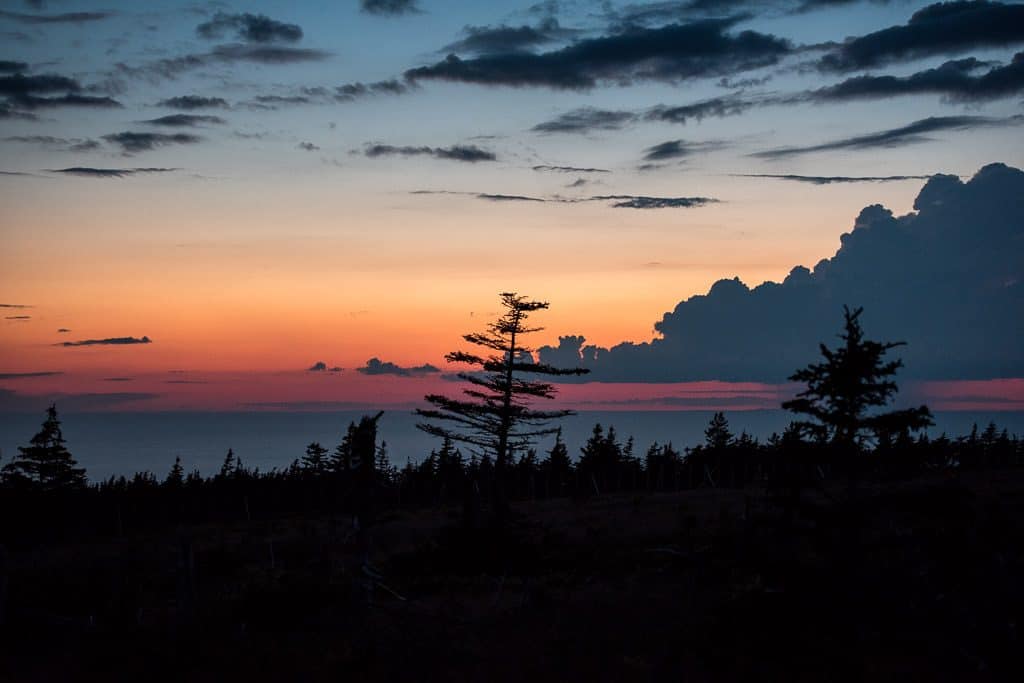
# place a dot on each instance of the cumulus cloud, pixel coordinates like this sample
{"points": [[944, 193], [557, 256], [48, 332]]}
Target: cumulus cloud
{"points": [[669, 53], [110, 341], [584, 120], [189, 102], [939, 29], [389, 7], [183, 120], [912, 133], [947, 278], [467, 153], [252, 28], [131, 142], [89, 172], [376, 366]]}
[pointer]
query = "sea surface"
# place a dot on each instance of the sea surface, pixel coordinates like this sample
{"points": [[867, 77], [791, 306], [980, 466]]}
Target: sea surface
{"points": [[122, 443]]}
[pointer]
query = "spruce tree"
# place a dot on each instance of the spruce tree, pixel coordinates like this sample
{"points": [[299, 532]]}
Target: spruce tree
{"points": [[315, 459], [843, 391], [176, 477], [496, 416], [46, 463]]}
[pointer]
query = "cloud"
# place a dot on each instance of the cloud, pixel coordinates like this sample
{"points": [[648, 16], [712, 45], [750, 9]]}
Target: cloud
{"points": [[25, 92], [321, 366], [503, 39], [352, 91], [118, 379], [307, 146], [571, 169], [678, 149], [8, 66], [642, 202], [189, 102], [584, 120], [88, 172], [183, 120], [15, 306], [26, 375], [64, 144], [376, 366], [17, 317], [618, 201], [172, 67], [65, 18], [63, 330], [110, 341], [389, 7], [669, 53], [947, 278], [132, 142], [954, 80], [467, 153], [252, 28], [912, 133], [717, 107], [831, 180], [939, 29]]}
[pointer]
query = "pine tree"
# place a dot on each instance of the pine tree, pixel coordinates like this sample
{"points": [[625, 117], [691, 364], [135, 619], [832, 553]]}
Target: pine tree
{"points": [[497, 417], [315, 459], [176, 477], [717, 435], [842, 391], [227, 468], [45, 463]]}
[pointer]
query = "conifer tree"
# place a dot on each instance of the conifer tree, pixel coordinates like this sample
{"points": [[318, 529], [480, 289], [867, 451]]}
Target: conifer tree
{"points": [[315, 459], [227, 468], [176, 477], [45, 463], [843, 390], [717, 435], [496, 416]]}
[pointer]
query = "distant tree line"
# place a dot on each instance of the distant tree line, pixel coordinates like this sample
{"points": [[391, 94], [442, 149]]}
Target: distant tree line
{"points": [[845, 434]]}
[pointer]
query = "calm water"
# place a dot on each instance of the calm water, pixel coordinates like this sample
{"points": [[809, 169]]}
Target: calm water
{"points": [[121, 443]]}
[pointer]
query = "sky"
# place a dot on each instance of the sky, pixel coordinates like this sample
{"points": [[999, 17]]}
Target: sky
{"points": [[276, 205]]}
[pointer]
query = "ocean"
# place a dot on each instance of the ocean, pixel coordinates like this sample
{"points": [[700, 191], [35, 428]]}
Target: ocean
{"points": [[113, 443]]}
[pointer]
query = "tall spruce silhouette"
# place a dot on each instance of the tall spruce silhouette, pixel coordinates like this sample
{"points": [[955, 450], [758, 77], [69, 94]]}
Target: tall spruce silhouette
{"points": [[45, 463], [843, 390], [496, 417]]}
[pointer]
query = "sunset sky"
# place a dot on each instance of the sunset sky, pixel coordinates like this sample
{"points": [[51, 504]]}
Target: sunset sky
{"points": [[253, 188]]}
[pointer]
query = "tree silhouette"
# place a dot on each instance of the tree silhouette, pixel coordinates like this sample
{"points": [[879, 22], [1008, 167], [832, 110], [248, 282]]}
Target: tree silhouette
{"points": [[46, 462], [496, 418], [315, 459], [842, 391]]}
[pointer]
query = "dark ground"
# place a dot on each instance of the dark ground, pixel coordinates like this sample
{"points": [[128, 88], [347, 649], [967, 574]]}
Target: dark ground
{"points": [[916, 580]]}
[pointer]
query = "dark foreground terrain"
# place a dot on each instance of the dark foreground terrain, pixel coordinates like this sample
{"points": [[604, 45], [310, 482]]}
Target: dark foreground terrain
{"points": [[918, 579]]}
